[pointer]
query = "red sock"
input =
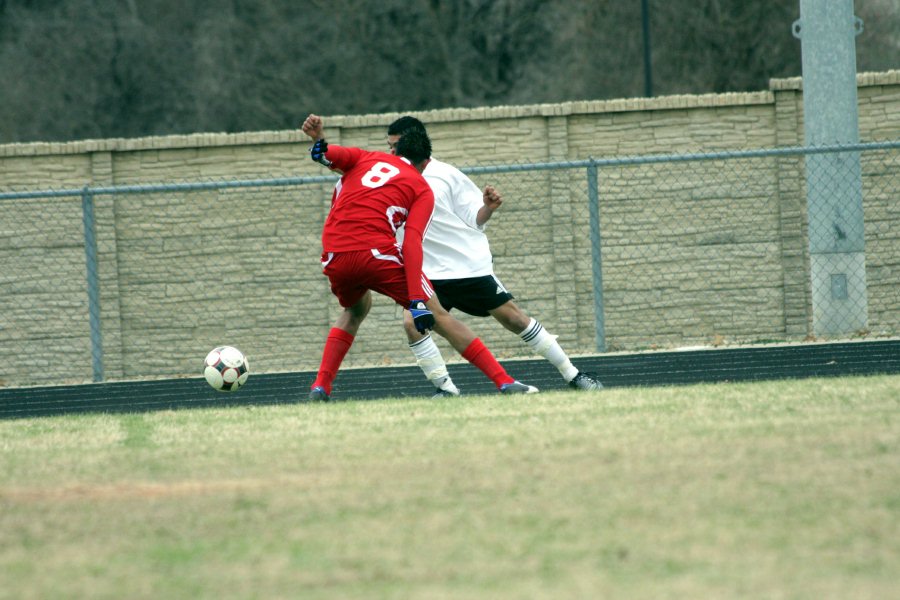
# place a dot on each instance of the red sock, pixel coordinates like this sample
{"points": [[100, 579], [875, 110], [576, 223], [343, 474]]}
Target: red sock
{"points": [[478, 354], [336, 346]]}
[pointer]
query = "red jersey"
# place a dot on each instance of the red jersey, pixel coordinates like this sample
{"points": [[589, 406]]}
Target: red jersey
{"points": [[379, 192]]}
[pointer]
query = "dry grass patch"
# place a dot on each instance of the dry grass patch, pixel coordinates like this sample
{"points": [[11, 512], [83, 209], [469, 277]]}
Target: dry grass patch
{"points": [[780, 489]]}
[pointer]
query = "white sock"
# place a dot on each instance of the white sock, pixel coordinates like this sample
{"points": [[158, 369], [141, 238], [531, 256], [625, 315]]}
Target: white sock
{"points": [[428, 357], [546, 345]]}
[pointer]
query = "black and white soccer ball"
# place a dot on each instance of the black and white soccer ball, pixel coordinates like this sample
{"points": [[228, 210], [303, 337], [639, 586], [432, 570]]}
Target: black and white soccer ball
{"points": [[226, 369]]}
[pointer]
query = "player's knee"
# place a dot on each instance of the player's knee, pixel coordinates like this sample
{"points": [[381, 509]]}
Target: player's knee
{"points": [[409, 327], [356, 314], [511, 317]]}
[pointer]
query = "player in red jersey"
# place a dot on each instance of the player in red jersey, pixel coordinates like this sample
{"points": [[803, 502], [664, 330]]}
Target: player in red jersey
{"points": [[378, 193]]}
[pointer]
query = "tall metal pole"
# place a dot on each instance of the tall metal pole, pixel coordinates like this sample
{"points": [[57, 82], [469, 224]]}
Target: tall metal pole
{"points": [[827, 30]]}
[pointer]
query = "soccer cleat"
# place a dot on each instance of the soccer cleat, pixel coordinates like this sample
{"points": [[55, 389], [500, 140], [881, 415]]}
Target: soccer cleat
{"points": [[318, 394], [445, 394], [585, 381], [517, 387]]}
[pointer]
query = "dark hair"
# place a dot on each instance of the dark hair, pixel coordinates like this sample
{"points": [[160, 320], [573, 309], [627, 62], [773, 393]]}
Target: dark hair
{"points": [[404, 124], [414, 145]]}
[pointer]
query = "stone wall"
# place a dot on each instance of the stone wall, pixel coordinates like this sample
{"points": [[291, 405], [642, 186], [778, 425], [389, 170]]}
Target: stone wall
{"points": [[183, 272]]}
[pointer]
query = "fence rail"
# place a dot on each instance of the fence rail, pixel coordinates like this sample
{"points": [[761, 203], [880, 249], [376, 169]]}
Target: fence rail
{"points": [[634, 252]]}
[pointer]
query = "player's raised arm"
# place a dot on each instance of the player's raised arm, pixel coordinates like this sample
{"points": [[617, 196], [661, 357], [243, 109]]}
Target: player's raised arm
{"points": [[313, 126], [492, 201]]}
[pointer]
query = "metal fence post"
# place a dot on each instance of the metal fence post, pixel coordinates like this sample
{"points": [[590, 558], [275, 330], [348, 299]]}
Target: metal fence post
{"points": [[596, 256], [93, 283]]}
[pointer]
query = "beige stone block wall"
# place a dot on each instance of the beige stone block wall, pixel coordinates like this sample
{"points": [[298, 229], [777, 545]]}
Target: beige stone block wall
{"points": [[692, 252]]}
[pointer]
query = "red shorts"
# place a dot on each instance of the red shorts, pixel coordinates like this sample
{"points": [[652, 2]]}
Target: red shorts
{"points": [[381, 270]]}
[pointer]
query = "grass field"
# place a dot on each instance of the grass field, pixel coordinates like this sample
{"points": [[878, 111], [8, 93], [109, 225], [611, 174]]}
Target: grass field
{"points": [[764, 490]]}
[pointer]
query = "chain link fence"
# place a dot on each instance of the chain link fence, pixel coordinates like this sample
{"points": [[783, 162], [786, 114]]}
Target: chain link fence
{"points": [[622, 254]]}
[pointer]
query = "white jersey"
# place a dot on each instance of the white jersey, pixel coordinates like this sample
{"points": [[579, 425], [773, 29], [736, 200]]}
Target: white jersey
{"points": [[455, 246]]}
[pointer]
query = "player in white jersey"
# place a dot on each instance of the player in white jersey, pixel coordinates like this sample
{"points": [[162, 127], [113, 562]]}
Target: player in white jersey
{"points": [[457, 260]]}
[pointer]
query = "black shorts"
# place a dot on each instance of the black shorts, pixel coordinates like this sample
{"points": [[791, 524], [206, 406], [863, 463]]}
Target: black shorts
{"points": [[472, 295]]}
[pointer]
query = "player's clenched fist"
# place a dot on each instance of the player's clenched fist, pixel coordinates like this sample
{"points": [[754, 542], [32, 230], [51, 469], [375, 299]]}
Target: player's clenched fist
{"points": [[313, 127]]}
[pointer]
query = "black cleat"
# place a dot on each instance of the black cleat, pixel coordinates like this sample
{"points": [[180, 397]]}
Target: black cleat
{"points": [[517, 387], [585, 381], [318, 394]]}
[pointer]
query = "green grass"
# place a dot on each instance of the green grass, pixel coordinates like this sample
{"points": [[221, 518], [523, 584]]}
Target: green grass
{"points": [[765, 490]]}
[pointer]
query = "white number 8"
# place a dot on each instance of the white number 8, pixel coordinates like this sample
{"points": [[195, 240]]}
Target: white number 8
{"points": [[379, 174]]}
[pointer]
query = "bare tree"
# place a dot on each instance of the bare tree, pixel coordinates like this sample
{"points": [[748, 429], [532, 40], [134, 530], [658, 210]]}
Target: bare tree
{"points": [[77, 69], [878, 47]]}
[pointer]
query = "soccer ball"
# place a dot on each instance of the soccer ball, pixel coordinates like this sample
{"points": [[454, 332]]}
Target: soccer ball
{"points": [[226, 369]]}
